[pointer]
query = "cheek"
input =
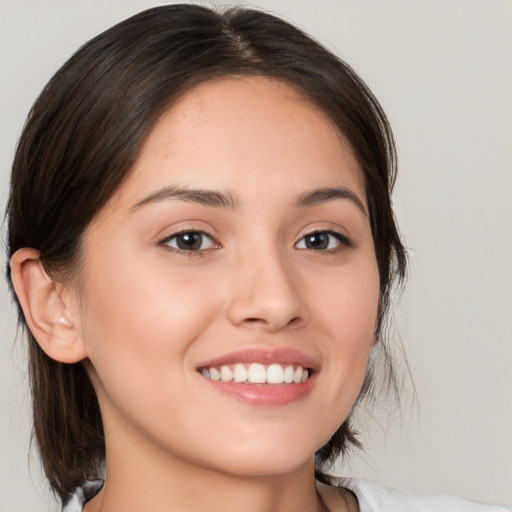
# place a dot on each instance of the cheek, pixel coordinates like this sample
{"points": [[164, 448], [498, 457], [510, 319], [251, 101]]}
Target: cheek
{"points": [[347, 308], [138, 326], [348, 304]]}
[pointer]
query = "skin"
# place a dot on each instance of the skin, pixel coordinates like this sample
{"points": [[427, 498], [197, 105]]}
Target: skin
{"points": [[148, 313]]}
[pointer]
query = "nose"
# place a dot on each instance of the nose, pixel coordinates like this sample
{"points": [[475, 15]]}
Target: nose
{"points": [[267, 295]]}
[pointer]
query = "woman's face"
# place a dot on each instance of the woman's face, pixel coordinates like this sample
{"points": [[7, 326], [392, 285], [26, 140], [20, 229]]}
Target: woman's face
{"points": [[239, 246]]}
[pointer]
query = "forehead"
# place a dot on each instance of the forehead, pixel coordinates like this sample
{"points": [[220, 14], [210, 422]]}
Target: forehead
{"points": [[242, 130]]}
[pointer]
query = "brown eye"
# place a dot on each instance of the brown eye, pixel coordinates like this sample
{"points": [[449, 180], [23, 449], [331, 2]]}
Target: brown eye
{"points": [[323, 241], [189, 241], [317, 241]]}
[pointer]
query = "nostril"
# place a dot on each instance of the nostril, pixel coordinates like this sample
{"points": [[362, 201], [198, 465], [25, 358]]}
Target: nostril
{"points": [[294, 321], [255, 321]]}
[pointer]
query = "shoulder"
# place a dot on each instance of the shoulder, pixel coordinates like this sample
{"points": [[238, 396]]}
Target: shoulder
{"points": [[373, 497], [82, 495]]}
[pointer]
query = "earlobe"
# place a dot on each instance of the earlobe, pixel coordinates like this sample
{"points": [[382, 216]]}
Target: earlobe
{"points": [[47, 311]]}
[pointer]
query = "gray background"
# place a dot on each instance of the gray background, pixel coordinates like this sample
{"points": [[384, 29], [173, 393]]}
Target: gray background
{"points": [[443, 72]]}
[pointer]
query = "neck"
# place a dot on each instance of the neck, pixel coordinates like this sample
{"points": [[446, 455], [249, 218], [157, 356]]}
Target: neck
{"points": [[142, 477]]}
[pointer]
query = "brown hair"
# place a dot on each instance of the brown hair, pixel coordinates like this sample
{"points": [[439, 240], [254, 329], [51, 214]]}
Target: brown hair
{"points": [[84, 133]]}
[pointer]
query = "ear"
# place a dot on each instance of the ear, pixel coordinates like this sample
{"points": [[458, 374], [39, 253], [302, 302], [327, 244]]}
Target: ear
{"points": [[47, 309]]}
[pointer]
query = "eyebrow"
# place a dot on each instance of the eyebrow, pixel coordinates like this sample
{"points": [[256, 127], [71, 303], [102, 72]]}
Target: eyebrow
{"points": [[218, 199], [323, 195], [191, 195]]}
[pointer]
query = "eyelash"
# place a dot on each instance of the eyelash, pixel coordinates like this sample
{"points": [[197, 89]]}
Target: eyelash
{"points": [[343, 242], [187, 252]]}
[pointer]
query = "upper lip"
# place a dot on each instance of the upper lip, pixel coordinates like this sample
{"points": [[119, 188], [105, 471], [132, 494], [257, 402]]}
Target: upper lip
{"points": [[265, 356]]}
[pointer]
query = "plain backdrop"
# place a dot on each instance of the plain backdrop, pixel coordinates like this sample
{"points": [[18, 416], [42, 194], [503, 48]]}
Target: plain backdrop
{"points": [[443, 72]]}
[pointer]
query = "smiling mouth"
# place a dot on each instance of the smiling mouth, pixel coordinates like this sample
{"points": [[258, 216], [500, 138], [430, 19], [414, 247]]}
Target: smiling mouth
{"points": [[257, 373]]}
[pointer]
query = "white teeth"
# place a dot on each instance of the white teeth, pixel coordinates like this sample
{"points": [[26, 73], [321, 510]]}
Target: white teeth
{"points": [[257, 373], [275, 374], [214, 374], [226, 375], [239, 373], [288, 374]]}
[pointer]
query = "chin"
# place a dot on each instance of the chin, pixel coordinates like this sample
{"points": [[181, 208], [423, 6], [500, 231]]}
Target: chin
{"points": [[265, 459], [269, 465]]}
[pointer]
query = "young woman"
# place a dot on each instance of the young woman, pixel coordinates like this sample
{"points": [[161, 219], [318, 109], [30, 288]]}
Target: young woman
{"points": [[202, 247]]}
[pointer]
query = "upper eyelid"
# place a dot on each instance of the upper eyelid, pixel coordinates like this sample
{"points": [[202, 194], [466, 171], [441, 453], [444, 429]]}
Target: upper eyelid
{"points": [[164, 243], [178, 233], [342, 238], [336, 232], [170, 233]]}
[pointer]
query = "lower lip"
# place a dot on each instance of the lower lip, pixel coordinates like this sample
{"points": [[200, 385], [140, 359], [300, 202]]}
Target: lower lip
{"points": [[263, 394]]}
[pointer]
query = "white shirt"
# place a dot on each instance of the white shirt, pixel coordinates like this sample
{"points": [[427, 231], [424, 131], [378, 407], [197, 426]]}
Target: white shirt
{"points": [[372, 497]]}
